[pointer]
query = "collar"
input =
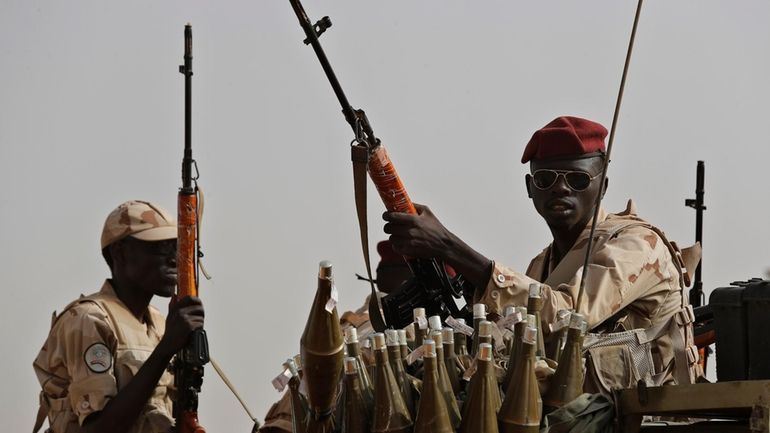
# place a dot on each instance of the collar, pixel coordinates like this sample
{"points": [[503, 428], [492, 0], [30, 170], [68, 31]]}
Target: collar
{"points": [[629, 211], [108, 291]]}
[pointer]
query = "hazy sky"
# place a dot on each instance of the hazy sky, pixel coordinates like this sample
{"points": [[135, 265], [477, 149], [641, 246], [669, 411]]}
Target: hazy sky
{"points": [[91, 114]]}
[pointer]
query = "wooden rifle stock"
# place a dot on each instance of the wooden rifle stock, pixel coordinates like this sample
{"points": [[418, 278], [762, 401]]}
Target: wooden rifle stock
{"points": [[189, 362], [388, 183], [187, 250]]}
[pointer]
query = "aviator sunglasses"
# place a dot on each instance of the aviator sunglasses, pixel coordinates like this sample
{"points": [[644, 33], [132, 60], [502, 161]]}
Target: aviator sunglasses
{"points": [[576, 180]]}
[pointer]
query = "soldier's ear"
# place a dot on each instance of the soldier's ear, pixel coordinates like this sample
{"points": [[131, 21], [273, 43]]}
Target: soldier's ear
{"points": [[528, 184], [117, 252]]}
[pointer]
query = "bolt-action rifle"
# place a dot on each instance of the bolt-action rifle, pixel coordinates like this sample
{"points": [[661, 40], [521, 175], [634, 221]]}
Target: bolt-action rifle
{"points": [[431, 286], [189, 362]]}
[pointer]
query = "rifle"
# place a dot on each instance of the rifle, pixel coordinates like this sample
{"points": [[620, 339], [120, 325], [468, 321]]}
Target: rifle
{"points": [[696, 293], [431, 286], [188, 363]]}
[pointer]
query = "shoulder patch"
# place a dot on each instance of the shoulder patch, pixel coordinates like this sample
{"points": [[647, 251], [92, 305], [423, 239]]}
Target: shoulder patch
{"points": [[98, 358]]}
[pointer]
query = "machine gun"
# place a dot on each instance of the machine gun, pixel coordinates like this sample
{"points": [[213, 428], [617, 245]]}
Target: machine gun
{"points": [[704, 327], [431, 286], [188, 363], [696, 293]]}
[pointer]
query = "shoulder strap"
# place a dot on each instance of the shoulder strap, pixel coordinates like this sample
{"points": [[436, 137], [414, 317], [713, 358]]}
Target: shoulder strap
{"points": [[684, 354], [673, 249], [360, 156], [42, 413], [83, 298]]}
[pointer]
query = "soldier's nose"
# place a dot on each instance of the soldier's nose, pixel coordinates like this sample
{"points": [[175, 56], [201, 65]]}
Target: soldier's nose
{"points": [[560, 187]]}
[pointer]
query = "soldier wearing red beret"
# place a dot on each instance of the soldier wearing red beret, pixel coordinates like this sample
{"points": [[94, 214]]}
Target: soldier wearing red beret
{"points": [[635, 281]]}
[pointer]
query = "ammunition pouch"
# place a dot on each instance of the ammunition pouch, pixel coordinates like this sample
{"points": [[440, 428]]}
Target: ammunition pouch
{"points": [[618, 360]]}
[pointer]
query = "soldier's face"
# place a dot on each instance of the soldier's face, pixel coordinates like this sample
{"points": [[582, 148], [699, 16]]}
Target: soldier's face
{"points": [[565, 205], [151, 265]]}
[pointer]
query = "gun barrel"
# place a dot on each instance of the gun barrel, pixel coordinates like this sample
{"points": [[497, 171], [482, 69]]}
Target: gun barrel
{"points": [[696, 293], [186, 70], [700, 176], [312, 40]]}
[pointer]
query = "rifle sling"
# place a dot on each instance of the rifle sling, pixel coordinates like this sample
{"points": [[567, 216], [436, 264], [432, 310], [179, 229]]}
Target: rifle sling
{"points": [[359, 154]]}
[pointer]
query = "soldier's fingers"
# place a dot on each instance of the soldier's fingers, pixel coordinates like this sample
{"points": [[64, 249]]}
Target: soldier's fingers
{"points": [[193, 310], [196, 323], [397, 229], [189, 300], [398, 217]]}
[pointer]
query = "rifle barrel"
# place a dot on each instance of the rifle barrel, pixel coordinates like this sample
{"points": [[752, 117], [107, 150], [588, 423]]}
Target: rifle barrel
{"points": [[312, 40], [186, 69]]}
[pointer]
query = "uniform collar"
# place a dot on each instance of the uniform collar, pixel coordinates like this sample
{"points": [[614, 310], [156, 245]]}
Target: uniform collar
{"points": [[630, 210], [108, 290]]}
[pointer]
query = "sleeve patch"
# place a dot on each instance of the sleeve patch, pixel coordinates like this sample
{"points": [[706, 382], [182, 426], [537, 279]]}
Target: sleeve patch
{"points": [[98, 358]]}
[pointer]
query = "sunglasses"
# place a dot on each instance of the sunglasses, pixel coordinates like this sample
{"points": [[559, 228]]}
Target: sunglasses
{"points": [[576, 180]]}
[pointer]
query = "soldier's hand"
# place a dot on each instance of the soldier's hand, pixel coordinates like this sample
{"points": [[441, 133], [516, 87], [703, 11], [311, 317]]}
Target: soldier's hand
{"points": [[420, 236], [184, 316]]}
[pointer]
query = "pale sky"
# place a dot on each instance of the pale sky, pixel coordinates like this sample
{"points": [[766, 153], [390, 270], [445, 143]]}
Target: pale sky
{"points": [[91, 115]]}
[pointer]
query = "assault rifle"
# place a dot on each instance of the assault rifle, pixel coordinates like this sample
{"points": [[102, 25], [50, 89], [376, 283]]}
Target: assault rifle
{"points": [[431, 286], [189, 362]]}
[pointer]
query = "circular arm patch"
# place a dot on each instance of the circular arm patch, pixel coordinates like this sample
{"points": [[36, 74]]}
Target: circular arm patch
{"points": [[98, 358]]}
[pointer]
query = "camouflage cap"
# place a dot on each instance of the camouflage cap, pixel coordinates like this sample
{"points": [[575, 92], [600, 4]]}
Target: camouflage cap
{"points": [[139, 219]]}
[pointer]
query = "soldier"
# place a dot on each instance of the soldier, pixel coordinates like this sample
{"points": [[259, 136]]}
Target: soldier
{"points": [[104, 365], [635, 280]]}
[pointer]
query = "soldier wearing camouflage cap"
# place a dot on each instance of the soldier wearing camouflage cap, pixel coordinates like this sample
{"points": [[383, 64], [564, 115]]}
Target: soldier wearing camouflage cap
{"points": [[635, 281], [103, 367]]}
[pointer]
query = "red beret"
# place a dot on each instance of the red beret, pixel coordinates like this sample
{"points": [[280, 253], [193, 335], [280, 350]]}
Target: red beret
{"points": [[563, 137], [387, 255]]}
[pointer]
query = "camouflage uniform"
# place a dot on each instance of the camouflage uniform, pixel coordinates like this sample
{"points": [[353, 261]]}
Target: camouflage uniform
{"points": [[77, 384], [97, 345], [635, 282]]}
